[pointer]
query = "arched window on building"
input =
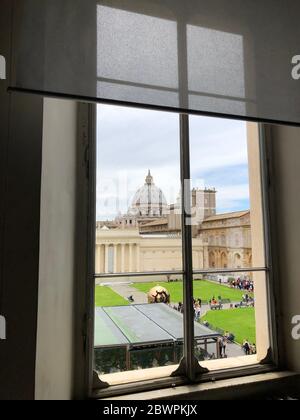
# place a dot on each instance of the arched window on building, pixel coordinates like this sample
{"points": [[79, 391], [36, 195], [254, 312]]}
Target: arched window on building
{"points": [[224, 260], [237, 260], [212, 260]]}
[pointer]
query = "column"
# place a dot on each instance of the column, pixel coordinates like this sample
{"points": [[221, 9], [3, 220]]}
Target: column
{"points": [[138, 250], [106, 259], [115, 258], [98, 259], [122, 258], [130, 258]]}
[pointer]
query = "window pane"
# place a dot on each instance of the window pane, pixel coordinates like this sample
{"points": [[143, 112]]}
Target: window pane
{"points": [[138, 326], [137, 322], [138, 185], [227, 226], [233, 315], [222, 212]]}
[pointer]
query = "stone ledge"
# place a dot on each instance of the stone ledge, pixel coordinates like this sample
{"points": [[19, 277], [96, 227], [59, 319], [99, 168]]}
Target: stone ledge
{"points": [[249, 387]]}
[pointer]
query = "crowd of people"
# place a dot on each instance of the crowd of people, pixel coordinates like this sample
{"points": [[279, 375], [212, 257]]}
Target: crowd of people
{"points": [[197, 304], [249, 348], [223, 341], [242, 284]]}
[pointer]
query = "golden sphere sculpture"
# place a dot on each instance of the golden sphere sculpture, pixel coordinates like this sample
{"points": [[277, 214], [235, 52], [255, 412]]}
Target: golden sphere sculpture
{"points": [[159, 294]]}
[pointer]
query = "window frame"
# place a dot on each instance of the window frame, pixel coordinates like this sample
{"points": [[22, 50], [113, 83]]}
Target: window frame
{"points": [[187, 372]]}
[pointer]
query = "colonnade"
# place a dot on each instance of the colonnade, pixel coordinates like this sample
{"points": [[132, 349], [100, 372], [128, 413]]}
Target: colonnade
{"points": [[118, 258]]}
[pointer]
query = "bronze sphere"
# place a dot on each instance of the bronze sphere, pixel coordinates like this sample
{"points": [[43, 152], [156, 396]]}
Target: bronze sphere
{"points": [[158, 294]]}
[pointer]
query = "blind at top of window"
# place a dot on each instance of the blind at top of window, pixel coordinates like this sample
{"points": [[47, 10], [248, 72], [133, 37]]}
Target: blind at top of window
{"points": [[229, 57]]}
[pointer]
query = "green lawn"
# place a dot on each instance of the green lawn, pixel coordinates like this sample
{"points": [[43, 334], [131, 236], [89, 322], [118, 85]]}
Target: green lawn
{"points": [[203, 289], [105, 296], [240, 322]]}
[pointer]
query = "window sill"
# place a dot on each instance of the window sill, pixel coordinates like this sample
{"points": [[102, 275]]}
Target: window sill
{"points": [[143, 381], [124, 378], [249, 387]]}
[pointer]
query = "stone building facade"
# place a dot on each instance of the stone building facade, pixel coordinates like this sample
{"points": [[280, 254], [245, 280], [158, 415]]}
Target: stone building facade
{"points": [[148, 237]]}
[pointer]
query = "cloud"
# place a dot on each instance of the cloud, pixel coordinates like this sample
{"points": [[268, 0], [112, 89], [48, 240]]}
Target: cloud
{"points": [[131, 141]]}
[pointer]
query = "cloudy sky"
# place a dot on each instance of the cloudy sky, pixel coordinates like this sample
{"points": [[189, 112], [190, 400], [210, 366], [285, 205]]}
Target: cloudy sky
{"points": [[131, 141]]}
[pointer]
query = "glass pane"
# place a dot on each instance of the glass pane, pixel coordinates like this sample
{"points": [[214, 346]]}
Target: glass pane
{"points": [[138, 234], [226, 196], [138, 326], [231, 318], [138, 184]]}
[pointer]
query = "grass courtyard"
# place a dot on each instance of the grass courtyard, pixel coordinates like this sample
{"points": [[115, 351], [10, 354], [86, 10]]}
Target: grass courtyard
{"points": [[240, 322], [105, 296], [203, 289]]}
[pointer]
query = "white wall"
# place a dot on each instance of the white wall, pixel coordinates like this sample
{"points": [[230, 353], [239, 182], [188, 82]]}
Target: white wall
{"points": [[55, 338]]}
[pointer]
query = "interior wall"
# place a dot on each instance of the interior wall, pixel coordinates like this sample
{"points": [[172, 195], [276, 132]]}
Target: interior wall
{"points": [[284, 143], [55, 338], [20, 170]]}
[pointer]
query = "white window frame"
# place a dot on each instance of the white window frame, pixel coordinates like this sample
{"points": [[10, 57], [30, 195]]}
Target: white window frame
{"points": [[189, 370]]}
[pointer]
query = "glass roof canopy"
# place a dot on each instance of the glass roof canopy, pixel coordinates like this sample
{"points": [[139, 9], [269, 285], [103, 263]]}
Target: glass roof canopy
{"points": [[138, 325]]}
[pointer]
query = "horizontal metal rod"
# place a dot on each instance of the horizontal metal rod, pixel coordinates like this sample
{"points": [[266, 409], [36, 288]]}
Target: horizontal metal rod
{"points": [[171, 273], [142, 274], [232, 270], [90, 99]]}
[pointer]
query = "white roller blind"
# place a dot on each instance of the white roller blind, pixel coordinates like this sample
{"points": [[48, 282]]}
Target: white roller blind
{"points": [[219, 56]]}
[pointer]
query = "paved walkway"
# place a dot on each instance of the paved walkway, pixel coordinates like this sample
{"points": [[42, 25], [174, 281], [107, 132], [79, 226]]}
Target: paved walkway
{"points": [[126, 290], [206, 308]]}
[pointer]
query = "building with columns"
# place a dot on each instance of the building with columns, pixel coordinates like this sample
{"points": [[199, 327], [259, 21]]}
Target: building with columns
{"points": [[148, 237], [127, 251]]}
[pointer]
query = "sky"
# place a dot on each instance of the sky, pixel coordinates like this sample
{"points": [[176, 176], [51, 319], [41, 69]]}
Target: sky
{"points": [[131, 141]]}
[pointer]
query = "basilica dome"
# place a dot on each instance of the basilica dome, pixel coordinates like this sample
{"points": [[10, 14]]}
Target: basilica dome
{"points": [[149, 200]]}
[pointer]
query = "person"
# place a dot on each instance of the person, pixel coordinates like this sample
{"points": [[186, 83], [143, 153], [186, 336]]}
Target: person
{"points": [[246, 347], [224, 345], [220, 344], [131, 299], [197, 312]]}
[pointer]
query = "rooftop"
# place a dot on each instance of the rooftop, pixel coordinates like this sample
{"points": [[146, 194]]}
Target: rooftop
{"points": [[233, 215], [155, 223], [145, 324]]}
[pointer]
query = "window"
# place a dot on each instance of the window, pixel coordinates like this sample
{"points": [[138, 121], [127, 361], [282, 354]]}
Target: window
{"points": [[165, 298]]}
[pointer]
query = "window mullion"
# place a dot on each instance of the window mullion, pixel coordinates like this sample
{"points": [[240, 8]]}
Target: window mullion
{"points": [[189, 362]]}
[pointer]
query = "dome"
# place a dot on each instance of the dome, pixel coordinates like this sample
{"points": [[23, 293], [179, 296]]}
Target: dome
{"points": [[149, 200]]}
